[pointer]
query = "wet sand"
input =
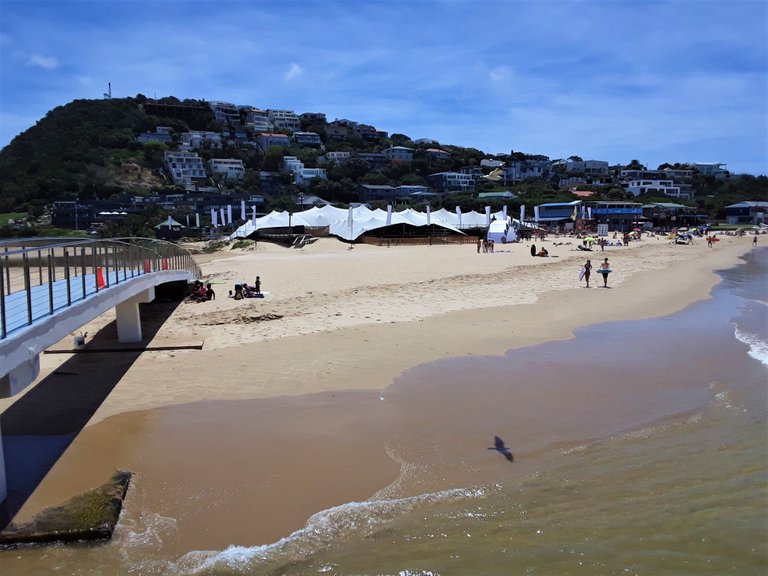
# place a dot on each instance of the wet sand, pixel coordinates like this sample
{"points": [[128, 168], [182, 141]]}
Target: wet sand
{"points": [[275, 420]]}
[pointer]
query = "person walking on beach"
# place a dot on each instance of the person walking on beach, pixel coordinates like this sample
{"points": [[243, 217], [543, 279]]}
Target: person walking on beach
{"points": [[754, 241], [586, 271], [605, 269]]}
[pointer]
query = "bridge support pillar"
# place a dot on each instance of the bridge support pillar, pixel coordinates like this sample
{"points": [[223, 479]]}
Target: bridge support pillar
{"points": [[20, 377], [129, 319]]}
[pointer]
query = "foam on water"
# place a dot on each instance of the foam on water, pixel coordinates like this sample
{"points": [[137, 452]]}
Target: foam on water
{"points": [[338, 523], [758, 348]]}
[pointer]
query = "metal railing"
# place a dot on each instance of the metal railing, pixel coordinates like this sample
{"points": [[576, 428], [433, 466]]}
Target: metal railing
{"points": [[39, 276]]}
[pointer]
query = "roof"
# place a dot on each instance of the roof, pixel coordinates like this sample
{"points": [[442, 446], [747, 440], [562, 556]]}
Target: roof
{"points": [[562, 204], [749, 204]]}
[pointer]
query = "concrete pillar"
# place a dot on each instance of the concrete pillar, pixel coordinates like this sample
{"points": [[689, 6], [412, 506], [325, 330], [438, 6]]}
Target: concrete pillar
{"points": [[128, 317], [20, 377]]}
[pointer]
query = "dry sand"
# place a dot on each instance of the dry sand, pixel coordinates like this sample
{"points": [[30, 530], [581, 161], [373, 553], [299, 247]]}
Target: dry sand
{"points": [[336, 320]]}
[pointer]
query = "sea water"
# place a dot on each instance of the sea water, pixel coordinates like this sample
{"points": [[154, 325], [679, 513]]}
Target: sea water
{"points": [[650, 460]]}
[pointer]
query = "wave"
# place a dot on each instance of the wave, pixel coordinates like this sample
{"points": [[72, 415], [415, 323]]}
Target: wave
{"points": [[758, 348], [321, 530]]}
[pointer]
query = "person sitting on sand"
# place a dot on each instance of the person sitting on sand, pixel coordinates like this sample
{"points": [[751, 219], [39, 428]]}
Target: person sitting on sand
{"points": [[206, 293], [239, 292], [543, 253]]}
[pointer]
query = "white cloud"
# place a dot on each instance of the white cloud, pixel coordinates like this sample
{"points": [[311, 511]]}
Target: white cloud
{"points": [[293, 72], [46, 62], [500, 73]]}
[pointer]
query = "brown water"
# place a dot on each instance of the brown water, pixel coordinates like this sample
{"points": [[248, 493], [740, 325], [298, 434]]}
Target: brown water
{"points": [[635, 448]]}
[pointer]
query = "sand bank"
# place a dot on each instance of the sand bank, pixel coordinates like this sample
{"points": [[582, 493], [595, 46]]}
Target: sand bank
{"points": [[336, 320]]}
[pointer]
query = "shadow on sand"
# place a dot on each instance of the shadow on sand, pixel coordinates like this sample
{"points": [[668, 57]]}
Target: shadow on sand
{"points": [[40, 425]]}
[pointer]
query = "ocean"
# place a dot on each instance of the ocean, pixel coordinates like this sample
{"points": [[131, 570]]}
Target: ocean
{"points": [[633, 448]]}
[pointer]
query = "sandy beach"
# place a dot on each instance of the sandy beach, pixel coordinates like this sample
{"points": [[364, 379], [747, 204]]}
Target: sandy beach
{"points": [[281, 407]]}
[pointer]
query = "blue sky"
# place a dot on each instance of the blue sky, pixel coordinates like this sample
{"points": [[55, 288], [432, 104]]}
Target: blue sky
{"points": [[667, 81]]}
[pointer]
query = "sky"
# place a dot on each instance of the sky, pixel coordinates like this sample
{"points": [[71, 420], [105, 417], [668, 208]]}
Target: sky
{"points": [[654, 81]]}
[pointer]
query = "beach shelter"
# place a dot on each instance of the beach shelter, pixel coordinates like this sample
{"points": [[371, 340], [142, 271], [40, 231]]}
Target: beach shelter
{"points": [[168, 223], [501, 231]]}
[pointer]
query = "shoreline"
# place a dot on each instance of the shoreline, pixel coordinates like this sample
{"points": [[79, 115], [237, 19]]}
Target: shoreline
{"points": [[317, 366]]}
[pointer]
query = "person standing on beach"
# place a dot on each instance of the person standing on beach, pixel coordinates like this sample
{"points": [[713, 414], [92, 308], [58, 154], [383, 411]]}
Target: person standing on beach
{"points": [[587, 271], [257, 285], [754, 241], [605, 269]]}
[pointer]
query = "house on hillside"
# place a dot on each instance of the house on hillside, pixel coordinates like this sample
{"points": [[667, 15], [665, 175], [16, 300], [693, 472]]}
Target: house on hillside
{"points": [[231, 169], [267, 140], [398, 154], [185, 168], [452, 182]]}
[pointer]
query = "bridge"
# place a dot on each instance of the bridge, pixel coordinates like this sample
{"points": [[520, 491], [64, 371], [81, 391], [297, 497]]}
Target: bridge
{"points": [[50, 287]]}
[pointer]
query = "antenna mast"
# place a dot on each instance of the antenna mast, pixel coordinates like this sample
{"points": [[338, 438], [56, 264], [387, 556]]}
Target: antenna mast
{"points": [[108, 95]]}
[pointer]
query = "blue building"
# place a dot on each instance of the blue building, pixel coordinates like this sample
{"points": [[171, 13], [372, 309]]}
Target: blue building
{"points": [[622, 216]]}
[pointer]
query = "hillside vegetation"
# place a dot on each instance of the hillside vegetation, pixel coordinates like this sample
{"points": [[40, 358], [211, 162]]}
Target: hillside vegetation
{"points": [[88, 149]]}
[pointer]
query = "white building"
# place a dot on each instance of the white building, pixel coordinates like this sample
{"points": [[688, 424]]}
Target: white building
{"points": [[196, 139], [398, 154], [284, 119], [185, 168], [302, 176], [337, 157], [258, 120], [230, 168], [716, 169], [520, 170], [225, 112], [666, 187]]}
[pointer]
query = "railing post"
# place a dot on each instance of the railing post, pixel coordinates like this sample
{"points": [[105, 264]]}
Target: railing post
{"points": [[2, 300], [106, 264], [27, 287], [66, 277], [52, 251], [50, 284], [7, 271], [82, 269], [40, 266]]}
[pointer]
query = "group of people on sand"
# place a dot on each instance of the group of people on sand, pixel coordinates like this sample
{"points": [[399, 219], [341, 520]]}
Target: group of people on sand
{"points": [[604, 270], [243, 290], [485, 245], [202, 292]]}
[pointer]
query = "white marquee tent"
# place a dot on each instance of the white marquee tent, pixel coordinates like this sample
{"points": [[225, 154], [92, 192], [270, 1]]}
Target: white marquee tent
{"points": [[349, 224]]}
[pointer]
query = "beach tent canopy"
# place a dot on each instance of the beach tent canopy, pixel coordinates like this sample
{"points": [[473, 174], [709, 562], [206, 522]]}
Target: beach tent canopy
{"points": [[362, 220], [167, 223]]}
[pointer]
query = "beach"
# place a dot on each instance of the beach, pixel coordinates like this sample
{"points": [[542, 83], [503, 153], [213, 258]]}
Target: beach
{"points": [[380, 376]]}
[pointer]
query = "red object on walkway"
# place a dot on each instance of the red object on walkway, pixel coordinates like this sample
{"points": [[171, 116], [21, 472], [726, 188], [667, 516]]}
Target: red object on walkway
{"points": [[147, 267], [165, 263], [100, 279]]}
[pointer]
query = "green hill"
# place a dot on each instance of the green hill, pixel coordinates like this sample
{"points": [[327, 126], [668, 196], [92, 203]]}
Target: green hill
{"points": [[86, 148]]}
